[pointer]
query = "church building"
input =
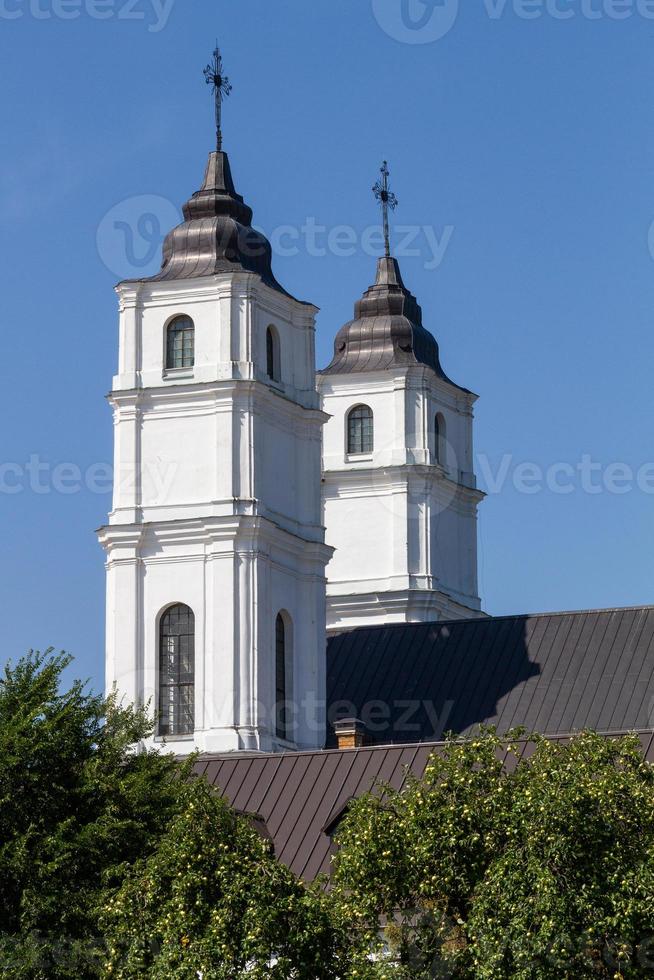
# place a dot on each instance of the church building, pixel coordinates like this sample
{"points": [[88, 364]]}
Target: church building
{"points": [[291, 554]]}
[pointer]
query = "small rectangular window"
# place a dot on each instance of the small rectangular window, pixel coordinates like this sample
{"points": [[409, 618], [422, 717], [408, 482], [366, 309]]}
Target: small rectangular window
{"points": [[360, 432], [180, 343]]}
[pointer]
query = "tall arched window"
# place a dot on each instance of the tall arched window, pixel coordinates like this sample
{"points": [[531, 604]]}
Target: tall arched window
{"points": [[272, 354], [177, 671], [360, 432], [440, 439], [281, 668], [180, 343]]}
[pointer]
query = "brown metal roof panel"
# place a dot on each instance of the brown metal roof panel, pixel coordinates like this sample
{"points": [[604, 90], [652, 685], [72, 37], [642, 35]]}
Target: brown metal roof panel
{"points": [[600, 673], [403, 763], [605, 679], [454, 683], [640, 711], [392, 678], [299, 829], [356, 656], [310, 824], [575, 655], [641, 661], [422, 757], [388, 678], [502, 655], [330, 809], [389, 764], [573, 683], [647, 740], [287, 783], [426, 703], [320, 860], [353, 766], [445, 671], [231, 776], [211, 768], [588, 684], [413, 646], [483, 636], [522, 677], [529, 698], [614, 675], [256, 782]]}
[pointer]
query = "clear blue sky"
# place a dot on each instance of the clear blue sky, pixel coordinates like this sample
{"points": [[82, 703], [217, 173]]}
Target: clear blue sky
{"points": [[532, 140]]}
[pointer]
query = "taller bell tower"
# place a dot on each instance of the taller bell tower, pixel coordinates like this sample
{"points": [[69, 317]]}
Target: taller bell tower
{"points": [[215, 549]]}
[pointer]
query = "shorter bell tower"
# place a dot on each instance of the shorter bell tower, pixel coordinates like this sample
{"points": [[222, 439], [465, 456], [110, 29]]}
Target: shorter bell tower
{"points": [[399, 493]]}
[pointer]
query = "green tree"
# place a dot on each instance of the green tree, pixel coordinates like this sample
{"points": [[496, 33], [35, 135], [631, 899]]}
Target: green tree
{"points": [[76, 804], [213, 901], [500, 864]]}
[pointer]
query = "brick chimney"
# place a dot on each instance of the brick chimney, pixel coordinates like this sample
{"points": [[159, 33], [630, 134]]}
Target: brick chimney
{"points": [[350, 733]]}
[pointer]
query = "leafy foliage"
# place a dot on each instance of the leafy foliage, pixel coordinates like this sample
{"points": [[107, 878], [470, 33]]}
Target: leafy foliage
{"points": [[525, 859], [212, 900], [541, 872], [75, 804]]}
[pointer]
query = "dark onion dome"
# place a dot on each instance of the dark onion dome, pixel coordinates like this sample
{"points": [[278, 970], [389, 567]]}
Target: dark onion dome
{"points": [[387, 330], [216, 234]]}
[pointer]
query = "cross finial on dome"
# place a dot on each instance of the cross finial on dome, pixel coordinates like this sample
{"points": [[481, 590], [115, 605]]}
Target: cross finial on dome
{"points": [[388, 201], [214, 76]]}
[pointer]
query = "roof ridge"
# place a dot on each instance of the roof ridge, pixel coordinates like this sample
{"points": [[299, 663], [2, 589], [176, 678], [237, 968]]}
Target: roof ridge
{"points": [[403, 746], [495, 619]]}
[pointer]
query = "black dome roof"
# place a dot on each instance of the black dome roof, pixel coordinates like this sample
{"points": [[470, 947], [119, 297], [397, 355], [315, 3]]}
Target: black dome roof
{"points": [[216, 234], [386, 331]]}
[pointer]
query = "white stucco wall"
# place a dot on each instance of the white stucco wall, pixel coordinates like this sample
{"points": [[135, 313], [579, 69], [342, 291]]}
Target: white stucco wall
{"points": [[402, 523], [217, 506]]}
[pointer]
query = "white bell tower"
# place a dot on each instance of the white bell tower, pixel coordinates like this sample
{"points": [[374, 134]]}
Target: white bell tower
{"points": [[215, 548], [400, 496]]}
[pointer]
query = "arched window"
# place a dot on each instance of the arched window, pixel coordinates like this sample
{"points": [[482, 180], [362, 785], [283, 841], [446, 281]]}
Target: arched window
{"points": [[281, 677], [272, 354], [180, 343], [440, 439], [360, 434], [177, 671]]}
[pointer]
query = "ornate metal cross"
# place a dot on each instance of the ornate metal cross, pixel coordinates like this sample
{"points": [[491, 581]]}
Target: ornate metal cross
{"points": [[387, 200], [213, 74]]}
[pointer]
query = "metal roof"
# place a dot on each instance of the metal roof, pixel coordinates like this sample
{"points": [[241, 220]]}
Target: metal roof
{"points": [[386, 331], [555, 674], [216, 234], [552, 673], [300, 796]]}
